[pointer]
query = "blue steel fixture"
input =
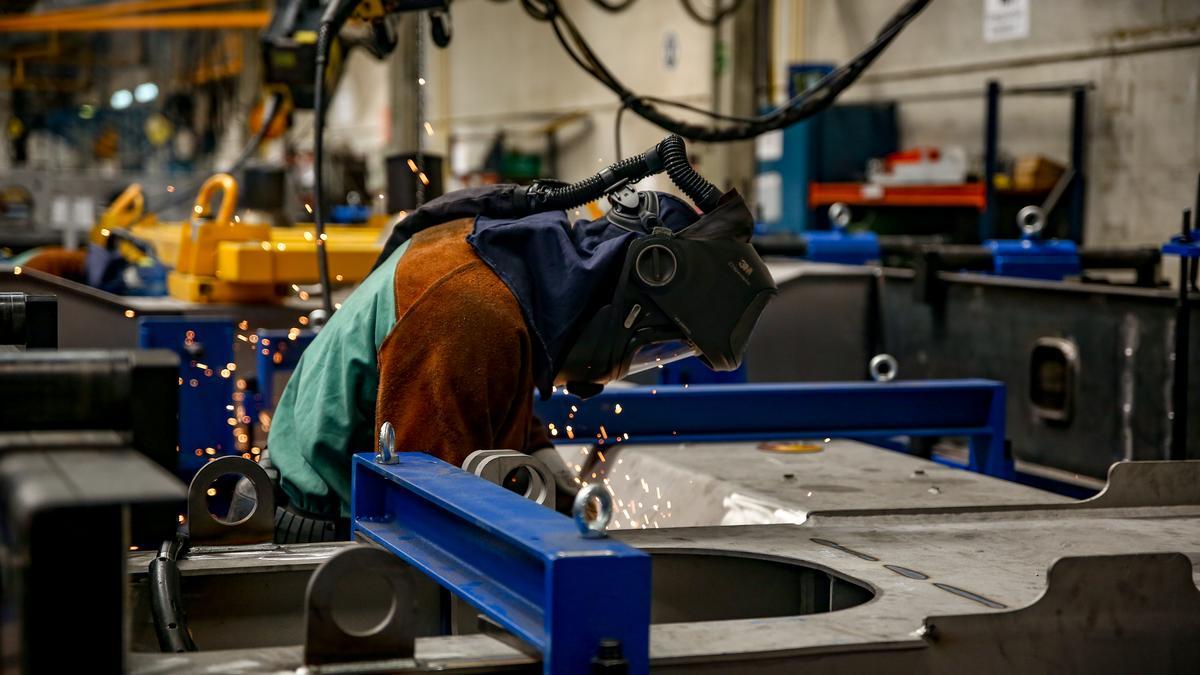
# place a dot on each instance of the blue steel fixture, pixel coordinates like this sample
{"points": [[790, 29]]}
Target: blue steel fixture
{"points": [[861, 410], [1032, 258], [277, 351], [205, 349], [523, 565], [839, 245]]}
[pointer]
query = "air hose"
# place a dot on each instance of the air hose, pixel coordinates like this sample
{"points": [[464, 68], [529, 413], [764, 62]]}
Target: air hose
{"points": [[669, 155]]}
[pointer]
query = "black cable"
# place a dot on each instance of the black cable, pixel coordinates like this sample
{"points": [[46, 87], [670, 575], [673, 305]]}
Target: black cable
{"points": [[617, 132], [720, 15], [614, 6], [670, 155], [332, 20], [804, 105], [166, 600]]}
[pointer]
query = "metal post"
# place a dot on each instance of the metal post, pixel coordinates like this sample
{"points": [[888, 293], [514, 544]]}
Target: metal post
{"points": [[1183, 318], [988, 451], [991, 137], [1075, 206]]}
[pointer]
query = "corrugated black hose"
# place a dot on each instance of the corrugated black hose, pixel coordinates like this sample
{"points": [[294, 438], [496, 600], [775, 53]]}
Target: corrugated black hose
{"points": [[669, 155], [166, 601]]}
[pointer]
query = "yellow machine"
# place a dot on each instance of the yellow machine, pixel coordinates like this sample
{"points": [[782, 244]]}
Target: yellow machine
{"points": [[217, 258]]}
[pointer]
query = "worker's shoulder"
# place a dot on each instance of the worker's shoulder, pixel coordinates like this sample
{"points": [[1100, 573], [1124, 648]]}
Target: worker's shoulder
{"points": [[442, 278]]}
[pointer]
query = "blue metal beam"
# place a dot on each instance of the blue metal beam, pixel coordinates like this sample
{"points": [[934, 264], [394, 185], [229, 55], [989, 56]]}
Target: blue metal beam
{"points": [[665, 413], [523, 565]]}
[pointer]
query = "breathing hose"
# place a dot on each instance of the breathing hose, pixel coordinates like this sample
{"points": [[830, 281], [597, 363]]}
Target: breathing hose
{"points": [[669, 155]]}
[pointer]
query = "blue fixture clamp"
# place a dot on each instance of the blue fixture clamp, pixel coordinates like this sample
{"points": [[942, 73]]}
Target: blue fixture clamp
{"points": [[204, 392], [523, 565], [973, 408]]}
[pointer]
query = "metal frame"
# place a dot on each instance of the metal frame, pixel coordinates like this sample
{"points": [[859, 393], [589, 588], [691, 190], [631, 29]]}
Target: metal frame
{"points": [[524, 566], [1076, 190], [858, 410], [203, 392]]}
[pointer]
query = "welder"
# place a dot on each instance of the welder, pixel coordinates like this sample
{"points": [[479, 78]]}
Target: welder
{"points": [[484, 295]]}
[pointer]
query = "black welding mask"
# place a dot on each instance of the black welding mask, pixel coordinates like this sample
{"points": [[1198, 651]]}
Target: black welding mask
{"points": [[697, 291]]}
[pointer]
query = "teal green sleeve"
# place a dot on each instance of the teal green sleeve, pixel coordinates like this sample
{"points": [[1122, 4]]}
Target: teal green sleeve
{"points": [[327, 410]]}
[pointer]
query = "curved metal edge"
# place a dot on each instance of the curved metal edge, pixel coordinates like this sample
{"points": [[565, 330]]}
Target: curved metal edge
{"points": [[259, 527], [495, 465], [416, 612]]}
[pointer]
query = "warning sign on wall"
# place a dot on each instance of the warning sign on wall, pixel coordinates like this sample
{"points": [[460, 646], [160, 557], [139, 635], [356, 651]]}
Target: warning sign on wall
{"points": [[1005, 20]]}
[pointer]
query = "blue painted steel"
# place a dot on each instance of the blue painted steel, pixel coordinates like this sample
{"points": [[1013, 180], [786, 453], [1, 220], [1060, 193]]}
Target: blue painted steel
{"points": [[205, 348], [971, 408], [349, 214], [1184, 249], [1031, 258], [693, 371], [523, 565], [277, 351], [840, 246]]}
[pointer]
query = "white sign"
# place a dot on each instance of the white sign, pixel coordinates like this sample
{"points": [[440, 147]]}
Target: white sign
{"points": [[1005, 20], [769, 146]]}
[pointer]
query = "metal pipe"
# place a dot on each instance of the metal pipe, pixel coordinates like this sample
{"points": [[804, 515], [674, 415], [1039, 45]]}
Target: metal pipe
{"points": [[180, 21], [109, 10], [1179, 382]]}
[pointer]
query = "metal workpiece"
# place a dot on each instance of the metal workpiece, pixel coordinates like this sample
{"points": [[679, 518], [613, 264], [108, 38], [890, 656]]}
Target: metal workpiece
{"points": [[366, 604], [522, 565], [514, 471], [710, 484], [204, 527], [997, 586], [1120, 390]]}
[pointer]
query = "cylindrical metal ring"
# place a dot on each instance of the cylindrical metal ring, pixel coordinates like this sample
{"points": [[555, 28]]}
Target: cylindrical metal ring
{"points": [[884, 368], [593, 528], [387, 445], [839, 215], [1031, 220]]}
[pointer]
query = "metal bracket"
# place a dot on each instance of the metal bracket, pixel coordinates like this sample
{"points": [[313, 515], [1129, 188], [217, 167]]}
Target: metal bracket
{"points": [[502, 468], [415, 609], [1149, 483], [203, 527], [520, 564], [1093, 608]]}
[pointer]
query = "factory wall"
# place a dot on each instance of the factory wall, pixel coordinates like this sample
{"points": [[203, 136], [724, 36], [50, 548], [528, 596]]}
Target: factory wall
{"points": [[1144, 117], [528, 84]]}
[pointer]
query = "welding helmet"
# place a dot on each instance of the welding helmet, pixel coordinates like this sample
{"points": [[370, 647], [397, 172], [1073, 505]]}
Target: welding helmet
{"points": [[696, 291]]}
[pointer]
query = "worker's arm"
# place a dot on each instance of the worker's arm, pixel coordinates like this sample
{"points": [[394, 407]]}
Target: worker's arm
{"points": [[455, 374]]}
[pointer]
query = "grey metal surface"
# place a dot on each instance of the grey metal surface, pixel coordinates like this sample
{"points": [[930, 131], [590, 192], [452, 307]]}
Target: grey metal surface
{"points": [[818, 328], [826, 324], [988, 328], [701, 484], [973, 589]]}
